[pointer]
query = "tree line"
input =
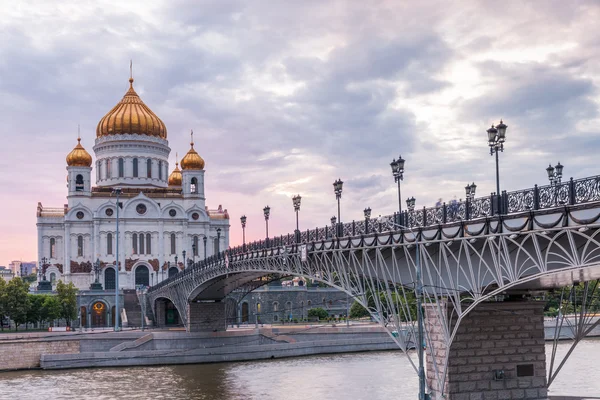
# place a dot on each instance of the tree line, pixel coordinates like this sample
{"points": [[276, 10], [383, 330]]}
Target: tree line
{"points": [[23, 308]]}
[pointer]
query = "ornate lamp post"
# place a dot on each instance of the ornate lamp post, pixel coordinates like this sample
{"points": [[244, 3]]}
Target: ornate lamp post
{"points": [[183, 253], [267, 213], [117, 192], [470, 195], [337, 189], [243, 221], [555, 177], [296, 200], [176, 263], [367, 213], [204, 240], [398, 172], [496, 139], [194, 252]]}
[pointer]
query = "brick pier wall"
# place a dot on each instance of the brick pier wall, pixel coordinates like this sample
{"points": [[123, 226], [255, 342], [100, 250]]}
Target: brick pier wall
{"points": [[25, 354], [206, 317], [494, 336]]}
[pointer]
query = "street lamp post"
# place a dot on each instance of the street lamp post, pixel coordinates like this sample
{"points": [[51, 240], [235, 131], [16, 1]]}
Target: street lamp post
{"points": [[267, 213], [296, 200], [470, 195], [243, 221], [117, 192], [194, 251], [176, 263], [333, 225], [337, 189], [367, 213], [555, 176], [496, 139], [204, 240], [398, 172], [183, 253]]}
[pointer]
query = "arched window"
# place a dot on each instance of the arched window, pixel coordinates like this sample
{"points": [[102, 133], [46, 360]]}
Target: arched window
{"points": [[109, 279], [79, 183], [80, 246], [245, 312], [52, 248], [109, 243], [160, 174], [258, 308], [108, 168], [194, 185], [134, 243], [173, 248], [121, 168], [149, 168], [173, 271], [142, 276], [195, 246], [53, 278], [275, 307], [135, 167], [142, 244], [309, 303], [288, 310], [148, 241]]}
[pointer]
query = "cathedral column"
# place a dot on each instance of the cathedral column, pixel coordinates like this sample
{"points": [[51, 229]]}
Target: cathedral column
{"points": [[186, 242], [96, 241], [67, 250]]}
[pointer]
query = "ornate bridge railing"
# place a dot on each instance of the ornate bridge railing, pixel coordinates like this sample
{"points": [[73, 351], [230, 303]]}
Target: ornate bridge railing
{"points": [[572, 192]]}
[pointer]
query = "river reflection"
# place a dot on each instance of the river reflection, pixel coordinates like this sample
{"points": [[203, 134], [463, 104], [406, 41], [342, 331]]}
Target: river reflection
{"points": [[368, 376]]}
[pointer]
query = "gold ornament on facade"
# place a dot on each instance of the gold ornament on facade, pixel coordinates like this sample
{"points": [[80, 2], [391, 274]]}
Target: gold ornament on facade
{"points": [[175, 178], [78, 157], [131, 116], [192, 160]]}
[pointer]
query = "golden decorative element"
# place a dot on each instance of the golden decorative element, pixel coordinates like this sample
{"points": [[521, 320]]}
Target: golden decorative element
{"points": [[98, 307], [175, 178], [192, 160], [78, 157], [131, 116]]}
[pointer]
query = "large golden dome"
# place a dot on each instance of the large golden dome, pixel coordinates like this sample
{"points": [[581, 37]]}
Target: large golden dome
{"points": [[175, 178], [131, 116], [78, 157], [192, 160]]}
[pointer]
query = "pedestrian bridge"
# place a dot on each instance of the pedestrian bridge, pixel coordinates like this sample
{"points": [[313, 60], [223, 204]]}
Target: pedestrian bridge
{"points": [[467, 253]]}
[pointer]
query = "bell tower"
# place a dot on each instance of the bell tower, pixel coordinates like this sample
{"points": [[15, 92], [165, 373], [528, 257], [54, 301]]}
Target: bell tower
{"points": [[79, 171], [192, 166]]}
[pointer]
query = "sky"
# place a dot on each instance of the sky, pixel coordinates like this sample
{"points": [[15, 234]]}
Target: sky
{"points": [[286, 97]]}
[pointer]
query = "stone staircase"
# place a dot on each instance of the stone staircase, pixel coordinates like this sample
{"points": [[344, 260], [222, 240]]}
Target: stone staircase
{"points": [[134, 311]]}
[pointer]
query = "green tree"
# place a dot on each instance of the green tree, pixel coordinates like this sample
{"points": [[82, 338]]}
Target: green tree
{"points": [[67, 295], [358, 311], [17, 301], [318, 312], [52, 308], [2, 302], [30, 278]]}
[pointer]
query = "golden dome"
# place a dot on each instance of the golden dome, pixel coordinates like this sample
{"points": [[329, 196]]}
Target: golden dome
{"points": [[131, 116], [78, 157], [192, 160], [175, 178]]}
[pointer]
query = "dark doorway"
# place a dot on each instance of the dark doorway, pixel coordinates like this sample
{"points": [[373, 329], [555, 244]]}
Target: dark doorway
{"points": [[142, 276], [98, 315], [109, 279], [173, 271], [171, 314], [83, 313], [244, 312], [112, 316]]}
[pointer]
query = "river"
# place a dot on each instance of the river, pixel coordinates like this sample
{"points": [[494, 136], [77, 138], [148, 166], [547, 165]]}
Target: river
{"points": [[357, 376]]}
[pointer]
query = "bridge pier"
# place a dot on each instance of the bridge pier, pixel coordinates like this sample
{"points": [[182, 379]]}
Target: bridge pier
{"points": [[206, 317], [498, 352]]}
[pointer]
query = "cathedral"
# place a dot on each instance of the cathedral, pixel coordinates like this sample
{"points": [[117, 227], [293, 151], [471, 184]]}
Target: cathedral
{"points": [[163, 222]]}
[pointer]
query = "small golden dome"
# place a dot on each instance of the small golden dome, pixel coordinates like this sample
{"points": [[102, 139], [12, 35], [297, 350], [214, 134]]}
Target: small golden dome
{"points": [[131, 116], [192, 160], [78, 157], [175, 178]]}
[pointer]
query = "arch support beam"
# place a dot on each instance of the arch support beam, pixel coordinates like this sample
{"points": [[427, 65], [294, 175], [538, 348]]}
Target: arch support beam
{"points": [[206, 317]]}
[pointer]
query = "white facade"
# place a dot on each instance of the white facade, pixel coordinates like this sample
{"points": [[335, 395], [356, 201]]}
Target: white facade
{"points": [[157, 222]]}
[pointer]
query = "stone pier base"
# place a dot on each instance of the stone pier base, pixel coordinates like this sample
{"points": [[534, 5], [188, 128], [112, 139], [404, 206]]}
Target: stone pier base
{"points": [[206, 317], [497, 354]]}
